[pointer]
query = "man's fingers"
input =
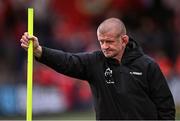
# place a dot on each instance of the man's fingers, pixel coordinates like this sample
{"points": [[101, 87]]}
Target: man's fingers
{"points": [[25, 38], [24, 46], [28, 37], [26, 33], [33, 38], [24, 42]]}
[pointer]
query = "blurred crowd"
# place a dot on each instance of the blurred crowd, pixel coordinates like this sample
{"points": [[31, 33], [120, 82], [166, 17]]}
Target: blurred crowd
{"points": [[71, 26]]}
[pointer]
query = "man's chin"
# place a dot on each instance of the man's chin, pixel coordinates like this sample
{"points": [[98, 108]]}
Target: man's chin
{"points": [[107, 55]]}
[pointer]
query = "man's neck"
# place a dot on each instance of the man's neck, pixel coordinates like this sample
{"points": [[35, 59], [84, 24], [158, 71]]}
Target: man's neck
{"points": [[119, 57]]}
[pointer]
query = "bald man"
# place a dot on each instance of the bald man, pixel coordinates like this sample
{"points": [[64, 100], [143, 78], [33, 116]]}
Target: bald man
{"points": [[125, 83]]}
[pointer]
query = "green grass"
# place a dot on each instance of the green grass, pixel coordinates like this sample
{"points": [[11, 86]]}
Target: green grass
{"points": [[74, 115], [177, 112], [86, 115]]}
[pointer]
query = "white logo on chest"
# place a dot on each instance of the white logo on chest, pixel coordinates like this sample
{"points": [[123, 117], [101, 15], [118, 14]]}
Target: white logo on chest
{"points": [[108, 76]]}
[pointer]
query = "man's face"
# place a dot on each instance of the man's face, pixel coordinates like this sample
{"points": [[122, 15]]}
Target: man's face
{"points": [[111, 45]]}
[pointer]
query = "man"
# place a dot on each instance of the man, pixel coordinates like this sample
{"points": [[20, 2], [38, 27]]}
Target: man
{"points": [[125, 83]]}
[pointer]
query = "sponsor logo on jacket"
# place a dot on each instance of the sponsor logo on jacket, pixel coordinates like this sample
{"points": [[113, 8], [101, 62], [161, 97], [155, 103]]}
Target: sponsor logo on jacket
{"points": [[136, 73]]}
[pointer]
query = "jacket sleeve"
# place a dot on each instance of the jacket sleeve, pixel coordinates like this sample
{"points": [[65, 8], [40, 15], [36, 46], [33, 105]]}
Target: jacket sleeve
{"points": [[73, 65], [160, 93]]}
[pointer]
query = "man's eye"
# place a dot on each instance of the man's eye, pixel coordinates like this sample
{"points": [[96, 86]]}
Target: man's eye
{"points": [[109, 41], [101, 42]]}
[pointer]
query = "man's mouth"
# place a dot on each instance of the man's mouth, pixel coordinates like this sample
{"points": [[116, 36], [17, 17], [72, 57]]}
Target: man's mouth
{"points": [[106, 51]]}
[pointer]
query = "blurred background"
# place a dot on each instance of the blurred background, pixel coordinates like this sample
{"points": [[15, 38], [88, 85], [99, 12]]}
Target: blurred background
{"points": [[70, 25]]}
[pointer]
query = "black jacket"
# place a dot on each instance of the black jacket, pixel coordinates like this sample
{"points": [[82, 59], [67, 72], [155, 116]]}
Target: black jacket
{"points": [[134, 89]]}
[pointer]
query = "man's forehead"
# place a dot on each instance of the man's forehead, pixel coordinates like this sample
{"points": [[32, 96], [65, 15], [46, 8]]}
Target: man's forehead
{"points": [[106, 36], [109, 34]]}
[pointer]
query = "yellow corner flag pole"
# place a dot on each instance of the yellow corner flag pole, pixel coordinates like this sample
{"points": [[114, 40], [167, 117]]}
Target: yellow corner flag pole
{"points": [[29, 68]]}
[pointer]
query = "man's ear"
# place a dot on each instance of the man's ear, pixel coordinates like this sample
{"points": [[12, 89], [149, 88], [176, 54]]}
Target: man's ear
{"points": [[125, 40]]}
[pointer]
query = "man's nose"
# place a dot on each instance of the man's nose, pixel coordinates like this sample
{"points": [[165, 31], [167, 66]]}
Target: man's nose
{"points": [[105, 45]]}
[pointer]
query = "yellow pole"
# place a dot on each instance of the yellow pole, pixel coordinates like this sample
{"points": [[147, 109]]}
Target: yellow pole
{"points": [[29, 68]]}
